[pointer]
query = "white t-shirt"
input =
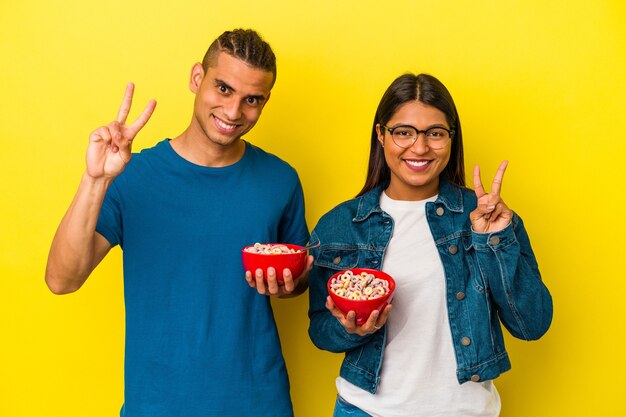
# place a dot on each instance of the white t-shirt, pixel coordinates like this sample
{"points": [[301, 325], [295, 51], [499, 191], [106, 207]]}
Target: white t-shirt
{"points": [[418, 375]]}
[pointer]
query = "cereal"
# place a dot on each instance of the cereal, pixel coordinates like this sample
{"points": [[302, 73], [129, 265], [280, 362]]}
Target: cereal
{"points": [[364, 286], [268, 249]]}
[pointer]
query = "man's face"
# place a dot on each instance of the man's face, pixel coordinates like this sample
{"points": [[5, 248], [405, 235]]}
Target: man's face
{"points": [[229, 98]]}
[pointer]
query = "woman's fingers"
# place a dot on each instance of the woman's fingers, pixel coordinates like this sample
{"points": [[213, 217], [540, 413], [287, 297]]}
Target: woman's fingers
{"points": [[375, 321], [333, 309], [496, 184], [478, 185], [497, 180], [382, 319], [489, 205]]}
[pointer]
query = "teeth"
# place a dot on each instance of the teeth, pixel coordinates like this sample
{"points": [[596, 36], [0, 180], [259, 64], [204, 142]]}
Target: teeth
{"points": [[416, 163], [225, 125]]}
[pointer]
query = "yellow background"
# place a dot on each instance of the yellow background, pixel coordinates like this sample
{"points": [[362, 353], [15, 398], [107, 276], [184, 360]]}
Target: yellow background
{"points": [[539, 82]]}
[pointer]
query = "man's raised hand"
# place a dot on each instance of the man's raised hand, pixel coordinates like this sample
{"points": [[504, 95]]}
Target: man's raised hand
{"points": [[110, 146]]}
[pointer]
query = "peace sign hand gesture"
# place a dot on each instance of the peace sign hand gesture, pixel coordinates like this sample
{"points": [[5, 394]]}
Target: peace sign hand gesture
{"points": [[491, 214], [110, 146]]}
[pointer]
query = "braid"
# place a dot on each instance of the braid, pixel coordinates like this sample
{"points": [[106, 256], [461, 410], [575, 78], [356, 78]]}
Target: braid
{"points": [[244, 44]]}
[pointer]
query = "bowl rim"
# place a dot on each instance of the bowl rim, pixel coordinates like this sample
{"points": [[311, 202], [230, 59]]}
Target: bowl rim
{"points": [[289, 245], [392, 282]]}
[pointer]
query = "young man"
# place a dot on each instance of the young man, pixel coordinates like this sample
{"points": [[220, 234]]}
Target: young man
{"points": [[199, 340]]}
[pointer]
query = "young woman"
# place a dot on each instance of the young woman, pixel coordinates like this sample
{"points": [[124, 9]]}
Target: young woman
{"points": [[461, 259]]}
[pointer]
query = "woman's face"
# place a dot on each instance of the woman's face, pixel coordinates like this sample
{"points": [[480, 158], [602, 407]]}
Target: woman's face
{"points": [[414, 170]]}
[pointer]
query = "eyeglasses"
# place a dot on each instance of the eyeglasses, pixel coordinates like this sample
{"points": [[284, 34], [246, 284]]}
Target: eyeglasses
{"points": [[405, 136]]}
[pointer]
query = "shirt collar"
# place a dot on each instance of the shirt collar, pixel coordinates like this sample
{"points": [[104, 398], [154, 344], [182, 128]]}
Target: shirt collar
{"points": [[450, 196]]}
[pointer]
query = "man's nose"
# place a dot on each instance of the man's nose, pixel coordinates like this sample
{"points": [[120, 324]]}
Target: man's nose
{"points": [[232, 110]]}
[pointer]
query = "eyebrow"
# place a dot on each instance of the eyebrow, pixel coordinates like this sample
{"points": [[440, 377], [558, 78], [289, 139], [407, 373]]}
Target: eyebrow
{"points": [[259, 97]]}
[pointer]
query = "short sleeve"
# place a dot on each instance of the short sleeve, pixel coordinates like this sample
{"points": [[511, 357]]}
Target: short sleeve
{"points": [[110, 219]]}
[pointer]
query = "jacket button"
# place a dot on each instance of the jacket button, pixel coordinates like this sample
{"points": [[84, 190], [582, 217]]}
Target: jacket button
{"points": [[439, 211], [494, 240], [460, 295], [453, 249], [466, 341], [475, 378], [337, 260]]}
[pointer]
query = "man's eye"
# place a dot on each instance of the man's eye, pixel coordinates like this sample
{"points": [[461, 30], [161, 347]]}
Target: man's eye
{"points": [[252, 100], [222, 88]]}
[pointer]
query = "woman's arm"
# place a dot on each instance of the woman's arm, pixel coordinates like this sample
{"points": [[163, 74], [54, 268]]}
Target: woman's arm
{"points": [[327, 332], [507, 263]]}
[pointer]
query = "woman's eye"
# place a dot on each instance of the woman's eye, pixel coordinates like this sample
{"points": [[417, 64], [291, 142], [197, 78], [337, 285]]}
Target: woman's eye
{"points": [[436, 133]]}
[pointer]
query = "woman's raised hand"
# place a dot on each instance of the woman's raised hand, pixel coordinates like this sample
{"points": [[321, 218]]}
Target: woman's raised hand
{"points": [[110, 146], [491, 214]]}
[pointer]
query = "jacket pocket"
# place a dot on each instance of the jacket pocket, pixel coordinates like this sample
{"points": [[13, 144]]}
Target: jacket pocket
{"points": [[470, 262], [338, 257]]}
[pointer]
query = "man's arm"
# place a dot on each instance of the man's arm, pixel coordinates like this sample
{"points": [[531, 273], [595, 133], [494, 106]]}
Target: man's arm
{"points": [[77, 248]]}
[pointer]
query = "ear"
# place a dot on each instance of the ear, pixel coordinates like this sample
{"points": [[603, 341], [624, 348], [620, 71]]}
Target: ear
{"points": [[196, 77], [381, 135]]}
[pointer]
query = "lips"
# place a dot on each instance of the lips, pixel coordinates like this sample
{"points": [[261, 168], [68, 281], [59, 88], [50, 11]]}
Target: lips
{"points": [[418, 165]]}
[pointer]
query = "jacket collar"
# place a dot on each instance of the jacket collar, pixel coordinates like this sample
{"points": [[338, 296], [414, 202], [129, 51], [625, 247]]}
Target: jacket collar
{"points": [[450, 196]]}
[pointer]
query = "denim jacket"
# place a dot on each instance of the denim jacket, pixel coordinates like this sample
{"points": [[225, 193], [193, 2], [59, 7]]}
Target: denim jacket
{"points": [[491, 278]]}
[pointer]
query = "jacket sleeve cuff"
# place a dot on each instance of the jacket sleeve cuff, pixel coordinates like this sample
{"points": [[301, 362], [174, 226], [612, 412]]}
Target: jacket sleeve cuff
{"points": [[494, 240]]}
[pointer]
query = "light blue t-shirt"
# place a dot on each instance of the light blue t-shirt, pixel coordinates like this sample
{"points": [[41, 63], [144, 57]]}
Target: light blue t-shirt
{"points": [[199, 340]]}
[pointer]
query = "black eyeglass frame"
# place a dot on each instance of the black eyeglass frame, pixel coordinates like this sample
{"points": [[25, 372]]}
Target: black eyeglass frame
{"points": [[417, 131]]}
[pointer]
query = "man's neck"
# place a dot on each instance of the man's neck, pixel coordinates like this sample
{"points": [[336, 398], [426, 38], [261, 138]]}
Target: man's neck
{"points": [[200, 150]]}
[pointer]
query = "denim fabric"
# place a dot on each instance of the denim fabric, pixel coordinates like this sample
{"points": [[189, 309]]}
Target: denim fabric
{"points": [[491, 279], [345, 409]]}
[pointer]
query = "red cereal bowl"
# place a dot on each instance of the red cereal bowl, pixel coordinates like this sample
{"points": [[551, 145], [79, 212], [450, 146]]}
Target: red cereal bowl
{"points": [[362, 307], [295, 262]]}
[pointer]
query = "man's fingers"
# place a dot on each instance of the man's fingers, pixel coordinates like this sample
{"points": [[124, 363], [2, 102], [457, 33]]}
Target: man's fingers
{"points": [[100, 134], [288, 280], [250, 279], [272, 280], [478, 185], [143, 118], [115, 133], [260, 284], [122, 114]]}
